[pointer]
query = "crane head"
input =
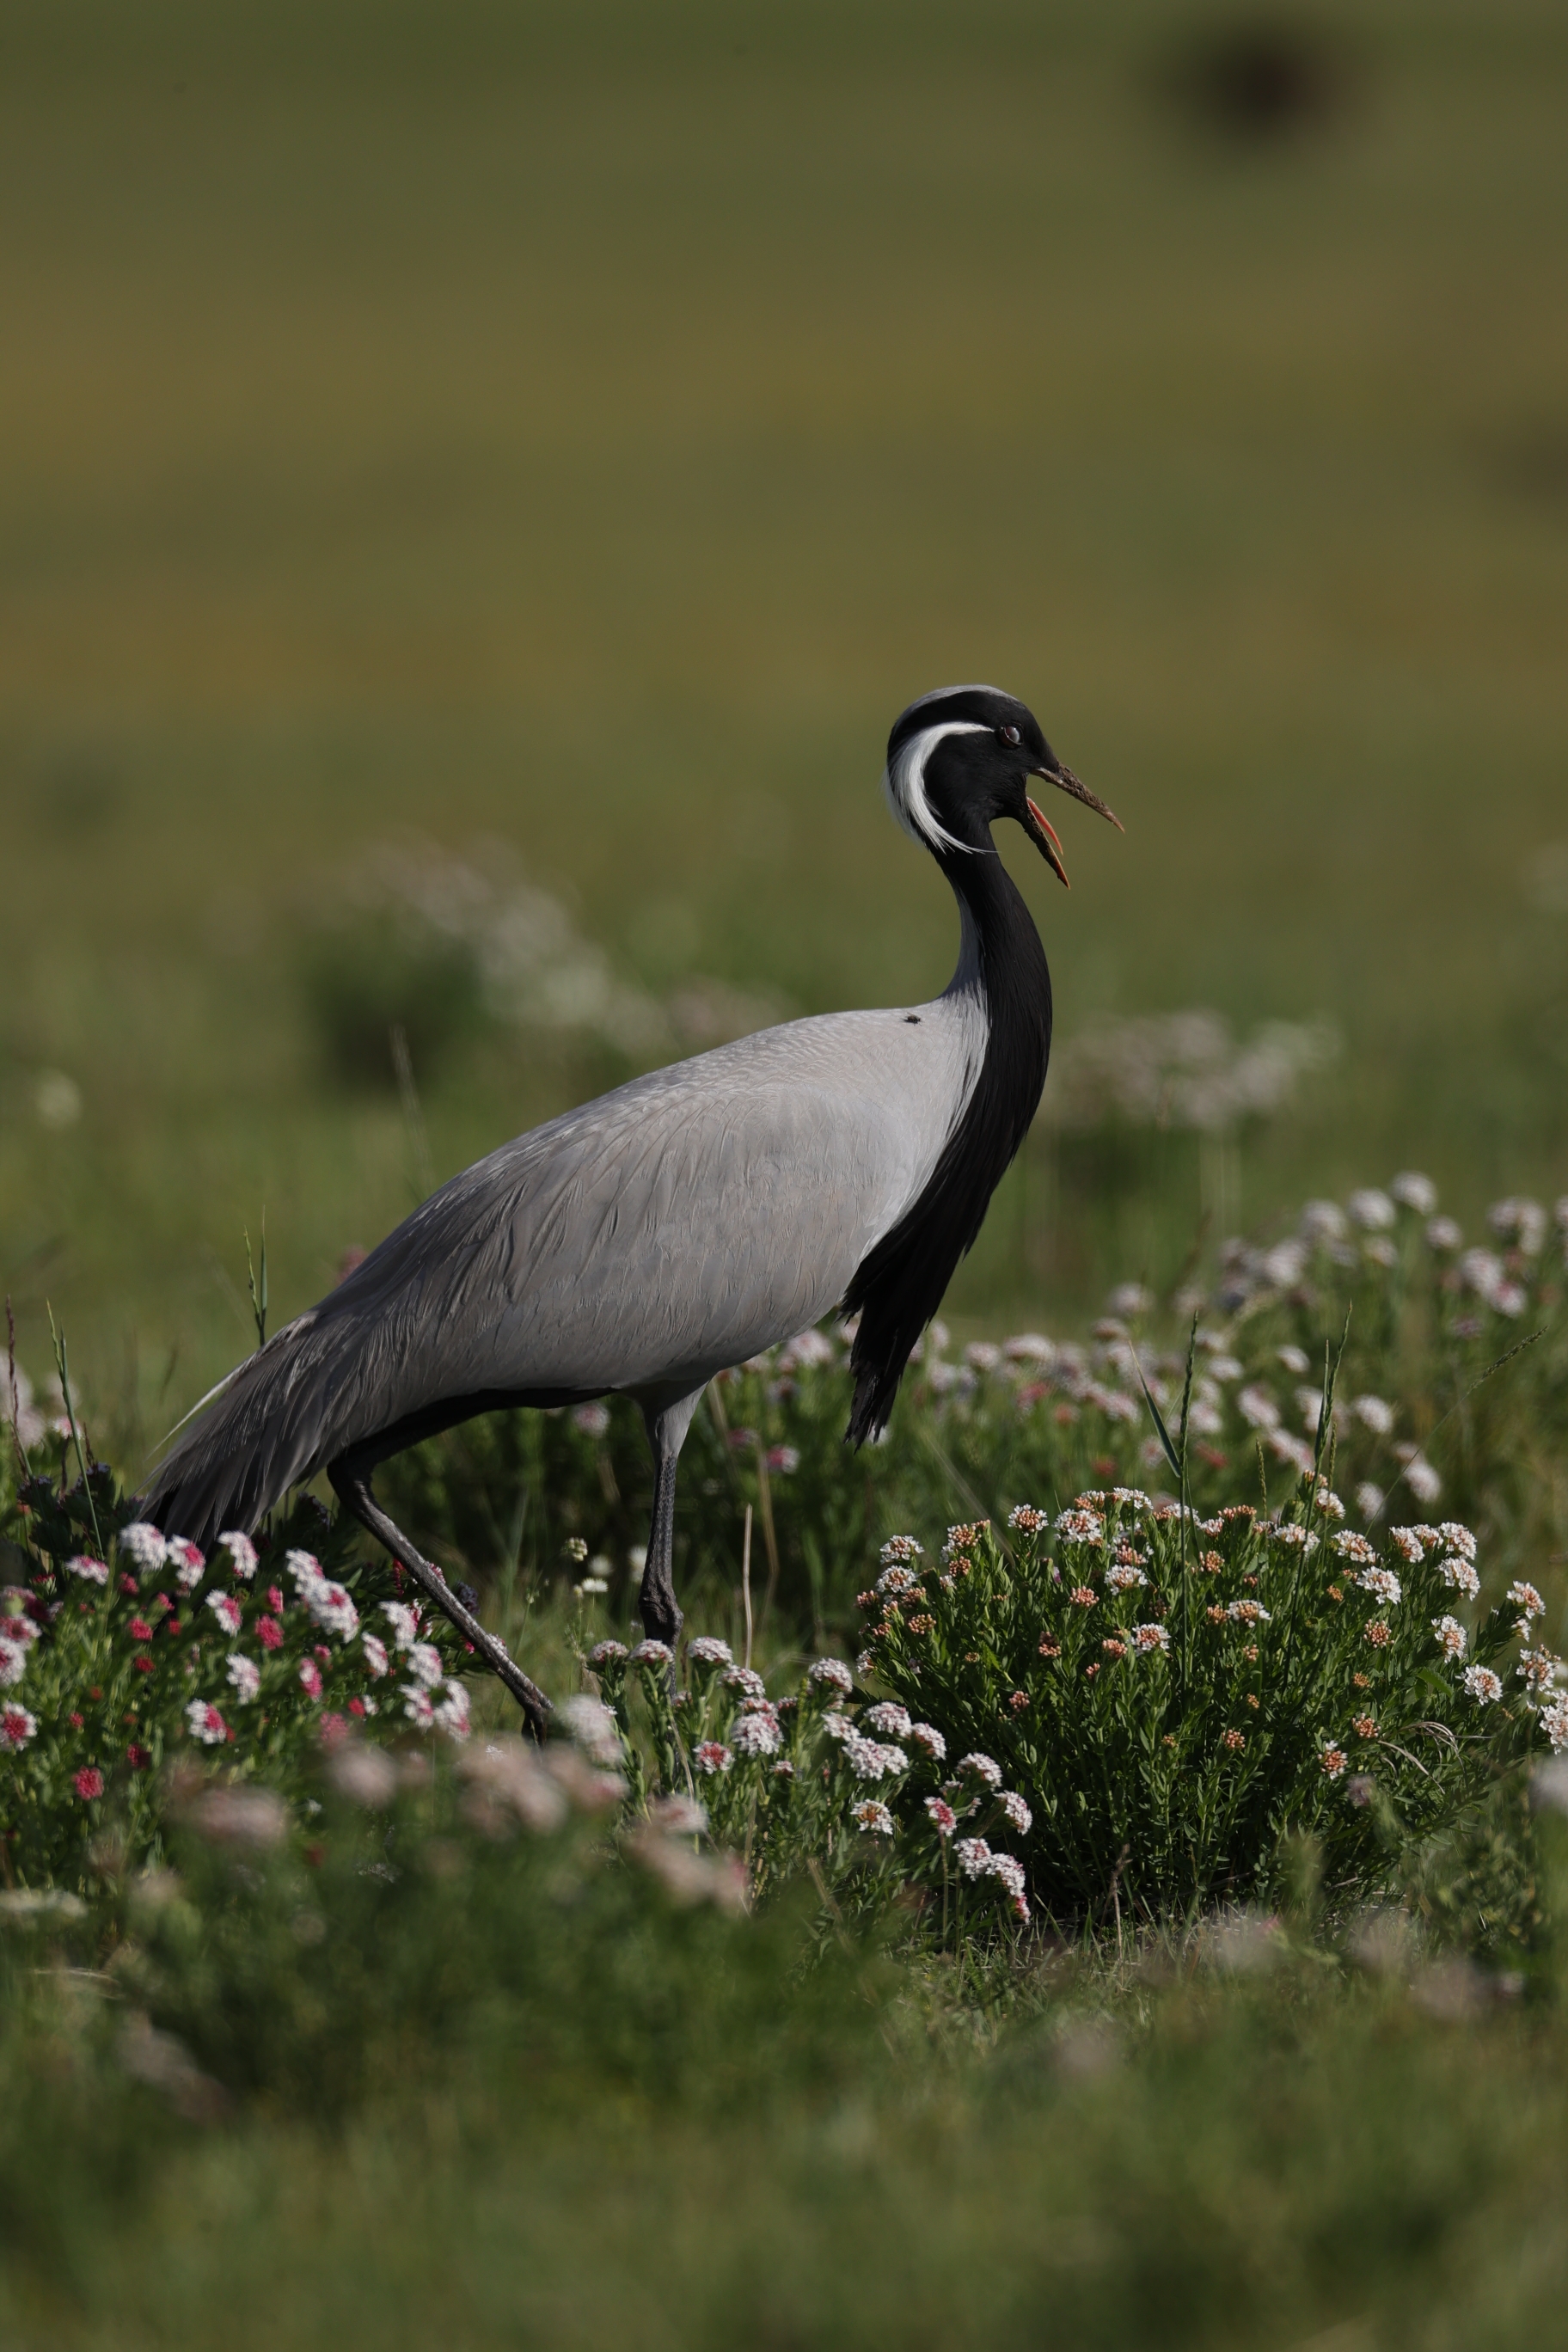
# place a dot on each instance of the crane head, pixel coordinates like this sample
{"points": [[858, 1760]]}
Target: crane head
{"points": [[962, 757]]}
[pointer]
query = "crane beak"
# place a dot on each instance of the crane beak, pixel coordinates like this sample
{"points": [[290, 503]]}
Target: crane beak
{"points": [[1041, 830]]}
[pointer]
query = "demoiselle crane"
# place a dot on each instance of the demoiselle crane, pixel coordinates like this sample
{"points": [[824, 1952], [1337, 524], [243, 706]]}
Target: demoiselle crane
{"points": [[639, 1245]]}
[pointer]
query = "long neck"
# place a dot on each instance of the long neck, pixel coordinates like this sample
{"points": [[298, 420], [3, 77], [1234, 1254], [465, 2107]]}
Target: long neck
{"points": [[898, 1285]]}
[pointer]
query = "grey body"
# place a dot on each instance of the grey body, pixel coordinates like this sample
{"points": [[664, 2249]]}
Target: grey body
{"points": [[636, 1246]]}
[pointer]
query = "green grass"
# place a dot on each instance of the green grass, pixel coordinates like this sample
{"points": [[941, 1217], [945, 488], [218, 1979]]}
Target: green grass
{"points": [[590, 427]]}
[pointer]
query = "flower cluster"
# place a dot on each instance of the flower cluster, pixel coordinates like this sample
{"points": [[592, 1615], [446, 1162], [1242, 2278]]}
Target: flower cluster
{"points": [[109, 1664], [1169, 1692]]}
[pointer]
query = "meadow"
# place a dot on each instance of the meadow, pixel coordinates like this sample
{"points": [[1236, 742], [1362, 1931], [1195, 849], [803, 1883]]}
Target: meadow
{"points": [[477, 487]]}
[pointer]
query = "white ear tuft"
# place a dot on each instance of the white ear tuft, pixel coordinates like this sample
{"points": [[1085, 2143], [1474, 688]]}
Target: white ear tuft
{"points": [[904, 782]]}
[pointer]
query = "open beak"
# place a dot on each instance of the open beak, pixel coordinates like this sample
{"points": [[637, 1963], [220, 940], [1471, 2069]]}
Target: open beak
{"points": [[1041, 830]]}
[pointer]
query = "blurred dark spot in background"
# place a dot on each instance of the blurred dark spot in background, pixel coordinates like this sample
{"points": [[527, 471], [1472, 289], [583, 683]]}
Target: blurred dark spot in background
{"points": [[1257, 80]]}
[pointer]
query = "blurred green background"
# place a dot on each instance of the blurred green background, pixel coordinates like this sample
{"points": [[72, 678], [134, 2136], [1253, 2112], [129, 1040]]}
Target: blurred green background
{"points": [[580, 428]]}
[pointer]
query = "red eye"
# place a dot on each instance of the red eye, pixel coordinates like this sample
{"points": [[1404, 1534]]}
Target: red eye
{"points": [[1008, 734]]}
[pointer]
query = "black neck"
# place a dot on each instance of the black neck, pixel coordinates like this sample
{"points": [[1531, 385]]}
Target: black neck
{"points": [[898, 1285]]}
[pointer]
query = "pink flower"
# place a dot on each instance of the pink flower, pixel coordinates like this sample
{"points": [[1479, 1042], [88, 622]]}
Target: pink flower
{"points": [[205, 1723], [139, 1630], [713, 1756], [226, 1610], [87, 1783], [942, 1815], [143, 1663], [92, 1572], [138, 1757], [241, 1555], [275, 1600], [270, 1633], [187, 1562], [334, 1731], [16, 1728], [311, 1676], [375, 1656]]}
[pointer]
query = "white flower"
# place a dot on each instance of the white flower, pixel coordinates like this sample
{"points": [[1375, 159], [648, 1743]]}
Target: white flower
{"points": [[1028, 1519], [652, 1653], [1459, 1576], [1369, 1499], [832, 1673], [1383, 1584], [226, 1610], [1422, 1479], [404, 1624], [870, 1816], [897, 1578], [607, 1652], [1290, 1533], [1458, 1538], [984, 1767], [304, 1567], [205, 1723], [1152, 1637], [590, 1725], [241, 1553], [16, 1728], [1009, 1871], [1076, 1527], [1526, 1599], [870, 1761], [1333, 1759], [1452, 1638], [418, 1706], [1523, 1221], [450, 1712], [1353, 1547], [890, 1718], [424, 1664], [1295, 1360], [333, 1610], [245, 1675], [1482, 1683], [900, 1550], [713, 1756], [925, 1735], [1444, 1234], [1373, 1412], [1294, 1450], [1330, 1504], [1017, 1814], [186, 1560], [1257, 1407], [141, 1542], [375, 1657], [836, 1726], [1372, 1210], [592, 1420], [1407, 1543], [1322, 1220], [707, 1651], [12, 1663], [91, 1570], [756, 1734], [1554, 1722], [973, 1857], [1414, 1191], [747, 1681], [1124, 1578], [1248, 1612], [677, 1816]]}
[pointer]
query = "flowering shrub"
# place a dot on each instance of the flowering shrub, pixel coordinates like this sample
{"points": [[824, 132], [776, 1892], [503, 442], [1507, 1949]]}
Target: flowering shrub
{"points": [[1172, 1694], [862, 1795], [1420, 1433], [109, 1667]]}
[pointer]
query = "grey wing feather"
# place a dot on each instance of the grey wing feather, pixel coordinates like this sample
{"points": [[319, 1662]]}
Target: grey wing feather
{"points": [[638, 1243]]}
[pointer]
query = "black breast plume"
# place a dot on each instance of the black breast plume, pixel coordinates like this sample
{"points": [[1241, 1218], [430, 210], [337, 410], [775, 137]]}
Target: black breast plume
{"points": [[899, 1285]]}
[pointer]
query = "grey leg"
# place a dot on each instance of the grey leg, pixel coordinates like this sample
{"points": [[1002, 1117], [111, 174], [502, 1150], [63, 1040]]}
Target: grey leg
{"points": [[350, 1479], [667, 1426]]}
